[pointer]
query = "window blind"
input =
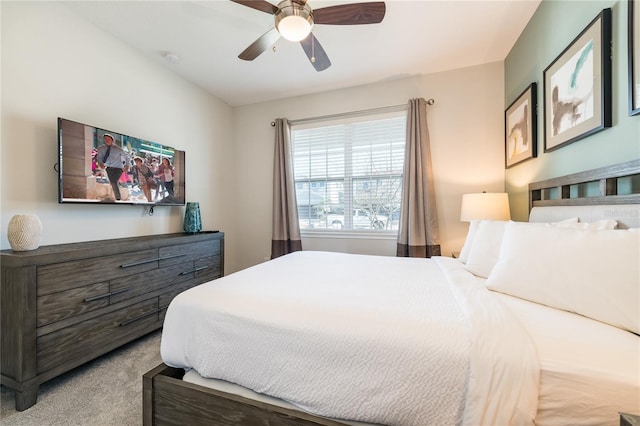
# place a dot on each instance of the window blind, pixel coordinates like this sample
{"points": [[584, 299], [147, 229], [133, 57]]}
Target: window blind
{"points": [[348, 171]]}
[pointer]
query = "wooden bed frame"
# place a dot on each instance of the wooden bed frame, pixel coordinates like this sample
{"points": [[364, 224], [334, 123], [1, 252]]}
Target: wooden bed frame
{"points": [[566, 191], [168, 400]]}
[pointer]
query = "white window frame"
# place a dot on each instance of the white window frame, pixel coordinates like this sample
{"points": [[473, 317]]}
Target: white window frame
{"points": [[349, 118]]}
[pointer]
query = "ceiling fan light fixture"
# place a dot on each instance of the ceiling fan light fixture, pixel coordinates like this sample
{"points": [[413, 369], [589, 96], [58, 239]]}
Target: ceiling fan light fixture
{"points": [[293, 20]]}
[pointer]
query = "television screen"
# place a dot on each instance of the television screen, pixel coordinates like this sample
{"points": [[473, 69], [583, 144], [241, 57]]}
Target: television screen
{"points": [[101, 166]]}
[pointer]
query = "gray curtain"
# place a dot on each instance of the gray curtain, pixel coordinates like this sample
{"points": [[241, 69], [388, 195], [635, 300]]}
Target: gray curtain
{"points": [[418, 233], [286, 228]]}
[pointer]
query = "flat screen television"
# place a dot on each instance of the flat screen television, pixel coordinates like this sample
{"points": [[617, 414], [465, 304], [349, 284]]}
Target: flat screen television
{"points": [[100, 166]]}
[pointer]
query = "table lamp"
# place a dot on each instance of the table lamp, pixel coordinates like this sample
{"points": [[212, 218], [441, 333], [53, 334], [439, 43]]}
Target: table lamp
{"points": [[485, 205]]}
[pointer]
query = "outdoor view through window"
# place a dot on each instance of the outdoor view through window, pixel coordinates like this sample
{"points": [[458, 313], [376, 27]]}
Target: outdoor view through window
{"points": [[348, 172]]}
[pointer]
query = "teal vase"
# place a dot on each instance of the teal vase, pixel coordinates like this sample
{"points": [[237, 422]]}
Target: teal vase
{"points": [[192, 220]]}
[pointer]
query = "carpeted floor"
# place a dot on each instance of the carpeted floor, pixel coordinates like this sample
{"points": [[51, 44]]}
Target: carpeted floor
{"points": [[106, 391]]}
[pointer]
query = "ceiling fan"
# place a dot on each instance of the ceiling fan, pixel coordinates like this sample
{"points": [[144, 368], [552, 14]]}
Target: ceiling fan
{"points": [[294, 20]]}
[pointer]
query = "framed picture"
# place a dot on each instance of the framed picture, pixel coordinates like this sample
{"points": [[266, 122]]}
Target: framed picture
{"points": [[634, 57], [520, 128], [577, 86]]}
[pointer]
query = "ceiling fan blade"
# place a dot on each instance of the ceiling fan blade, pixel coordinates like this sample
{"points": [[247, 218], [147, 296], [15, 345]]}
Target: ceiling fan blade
{"points": [[351, 14], [261, 5], [260, 45], [315, 53]]}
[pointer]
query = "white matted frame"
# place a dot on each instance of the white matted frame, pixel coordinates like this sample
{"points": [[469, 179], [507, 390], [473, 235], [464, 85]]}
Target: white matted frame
{"points": [[634, 56], [577, 86], [520, 128]]}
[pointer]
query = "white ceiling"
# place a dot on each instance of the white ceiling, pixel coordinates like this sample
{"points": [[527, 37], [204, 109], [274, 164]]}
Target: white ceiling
{"points": [[415, 37]]}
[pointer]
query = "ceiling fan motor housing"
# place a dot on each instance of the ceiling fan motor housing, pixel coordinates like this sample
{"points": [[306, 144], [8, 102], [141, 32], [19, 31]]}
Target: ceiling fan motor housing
{"points": [[294, 21]]}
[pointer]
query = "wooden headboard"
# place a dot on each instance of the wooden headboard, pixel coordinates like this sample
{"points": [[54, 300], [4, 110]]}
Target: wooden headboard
{"points": [[606, 193], [571, 190]]}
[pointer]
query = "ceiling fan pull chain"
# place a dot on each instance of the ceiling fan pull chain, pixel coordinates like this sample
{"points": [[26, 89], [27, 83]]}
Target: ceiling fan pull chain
{"points": [[313, 45]]}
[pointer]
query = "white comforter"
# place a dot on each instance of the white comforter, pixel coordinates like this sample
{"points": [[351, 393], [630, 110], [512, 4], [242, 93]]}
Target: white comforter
{"points": [[396, 341]]}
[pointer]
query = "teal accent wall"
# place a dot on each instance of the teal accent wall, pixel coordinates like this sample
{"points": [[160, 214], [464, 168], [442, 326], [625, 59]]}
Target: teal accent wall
{"points": [[552, 28]]}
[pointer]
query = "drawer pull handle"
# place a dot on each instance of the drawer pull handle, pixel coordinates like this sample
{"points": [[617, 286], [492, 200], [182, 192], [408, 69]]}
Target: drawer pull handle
{"points": [[142, 262], [105, 295], [193, 270], [146, 314]]}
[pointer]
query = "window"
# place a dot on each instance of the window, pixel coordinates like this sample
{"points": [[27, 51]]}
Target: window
{"points": [[348, 171]]}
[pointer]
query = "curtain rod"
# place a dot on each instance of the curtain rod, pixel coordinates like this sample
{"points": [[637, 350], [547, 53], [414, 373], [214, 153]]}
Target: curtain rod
{"points": [[351, 113]]}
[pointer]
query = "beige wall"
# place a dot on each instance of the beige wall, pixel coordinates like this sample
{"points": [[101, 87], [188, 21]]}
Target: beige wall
{"points": [[56, 65], [466, 129], [48, 71]]}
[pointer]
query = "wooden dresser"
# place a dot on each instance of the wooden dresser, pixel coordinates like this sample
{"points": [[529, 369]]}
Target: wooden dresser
{"points": [[64, 305]]}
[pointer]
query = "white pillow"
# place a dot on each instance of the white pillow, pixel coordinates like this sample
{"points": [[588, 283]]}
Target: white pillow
{"points": [[468, 242], [486, 242], [485, 249], [594, 273], [559, 223], [596, 226]]}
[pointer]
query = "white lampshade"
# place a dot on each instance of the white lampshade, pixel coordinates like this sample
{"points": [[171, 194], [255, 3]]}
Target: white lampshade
{"points": [[485, 205]]}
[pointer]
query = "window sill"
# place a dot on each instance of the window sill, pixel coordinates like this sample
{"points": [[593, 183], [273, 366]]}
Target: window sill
{"points": [[351, 235]]}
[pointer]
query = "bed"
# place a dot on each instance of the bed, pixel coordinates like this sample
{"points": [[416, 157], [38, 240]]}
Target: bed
{"points": [[478, 342]]}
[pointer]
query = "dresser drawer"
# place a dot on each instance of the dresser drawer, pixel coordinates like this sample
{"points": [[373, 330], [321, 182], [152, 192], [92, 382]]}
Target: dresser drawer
{"points": [[137, 284], [183, 252], [207, 269], [67, 275], [81, 342], [58, 306]]}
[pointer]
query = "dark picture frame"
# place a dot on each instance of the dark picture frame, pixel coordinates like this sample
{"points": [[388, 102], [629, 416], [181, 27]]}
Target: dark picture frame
{"points": [[520, 127], [577, 86], [634, 56]]}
